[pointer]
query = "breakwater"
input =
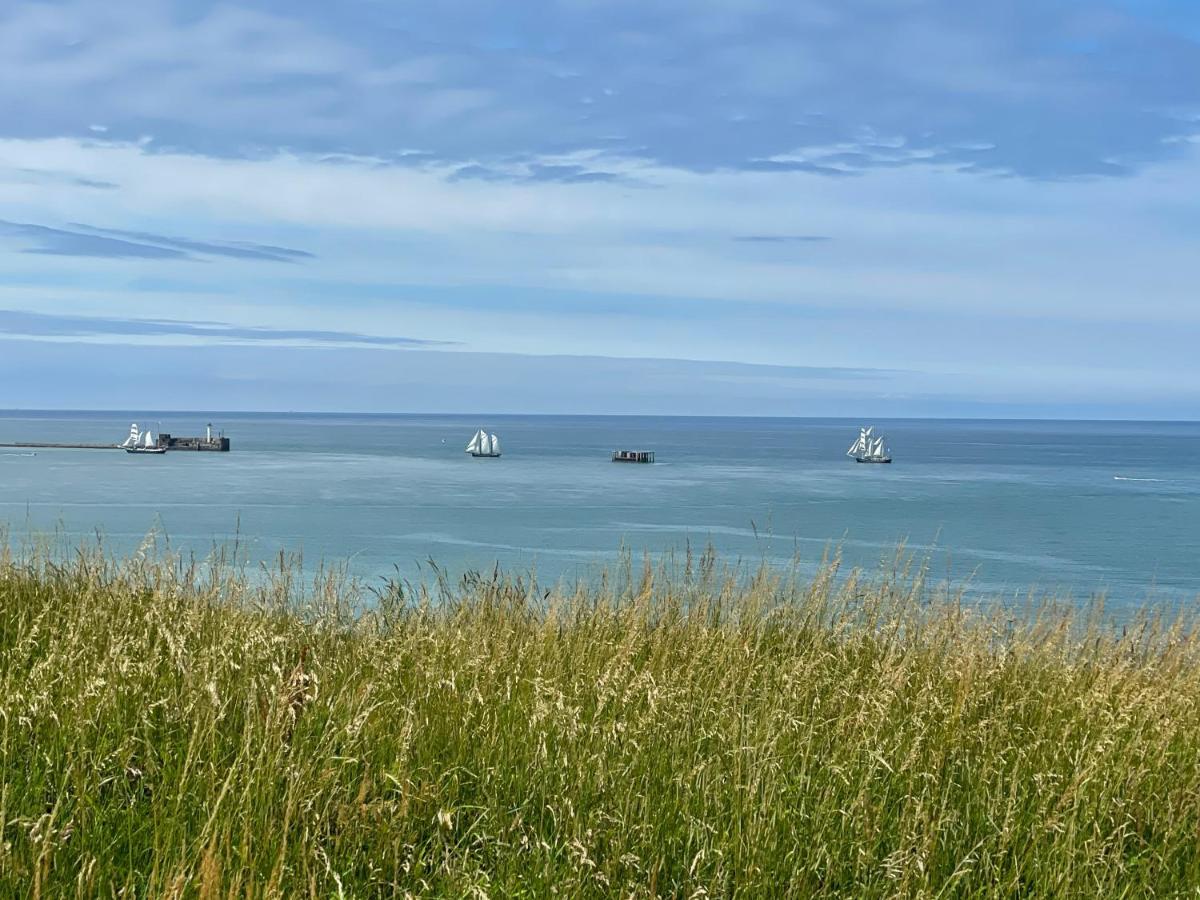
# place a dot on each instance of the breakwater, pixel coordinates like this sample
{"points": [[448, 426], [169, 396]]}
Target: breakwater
{"points": [[218, 444]]}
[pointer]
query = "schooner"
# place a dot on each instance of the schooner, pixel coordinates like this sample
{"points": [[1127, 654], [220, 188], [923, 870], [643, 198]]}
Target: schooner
{"points": [[484, 445], [870, 447]]}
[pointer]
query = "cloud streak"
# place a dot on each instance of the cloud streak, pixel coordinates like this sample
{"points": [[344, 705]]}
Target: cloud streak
{"points": [[87, 240], [21, 323], [535, 173], [47, 241], [232, 249], [782, 238]]}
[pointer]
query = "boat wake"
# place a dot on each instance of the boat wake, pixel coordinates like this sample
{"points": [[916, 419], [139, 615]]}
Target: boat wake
{"points": [[1131, 478]]}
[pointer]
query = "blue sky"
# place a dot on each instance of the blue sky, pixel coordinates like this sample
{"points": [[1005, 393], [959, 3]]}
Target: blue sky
{"points": [[858, 207]]}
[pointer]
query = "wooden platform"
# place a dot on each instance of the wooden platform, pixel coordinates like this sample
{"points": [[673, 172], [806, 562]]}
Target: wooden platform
{"points": [[633, 456]]}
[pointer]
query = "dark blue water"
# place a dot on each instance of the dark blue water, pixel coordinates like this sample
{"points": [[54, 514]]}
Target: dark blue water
{"points": [[1061, 507]]}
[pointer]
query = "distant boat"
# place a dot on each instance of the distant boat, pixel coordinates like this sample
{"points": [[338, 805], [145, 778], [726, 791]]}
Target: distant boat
{"points": [[142, 442], [870, 448], [633, 456], [484, 445]]}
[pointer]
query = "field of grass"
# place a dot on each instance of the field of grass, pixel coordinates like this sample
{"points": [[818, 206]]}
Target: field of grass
{"points": [[171, 730]]}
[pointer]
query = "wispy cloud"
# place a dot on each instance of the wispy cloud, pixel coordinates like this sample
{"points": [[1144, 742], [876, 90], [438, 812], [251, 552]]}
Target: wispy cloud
{"points": [[22, 323], [61, 242], [533, 173], [782, 238], [87, 240], [234, 249], [38, 373], [27, 175]]}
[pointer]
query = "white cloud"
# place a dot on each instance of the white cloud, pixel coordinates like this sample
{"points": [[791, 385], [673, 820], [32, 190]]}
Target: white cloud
{"points": [[919, 238], [700, 85]]}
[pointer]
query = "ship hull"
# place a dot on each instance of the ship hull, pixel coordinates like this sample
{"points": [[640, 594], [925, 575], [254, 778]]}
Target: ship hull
{"points": [[151, 451], [486, 455], [876, 462]]}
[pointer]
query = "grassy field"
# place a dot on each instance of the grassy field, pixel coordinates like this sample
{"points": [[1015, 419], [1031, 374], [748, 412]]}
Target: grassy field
{"points": [[168, 730]]}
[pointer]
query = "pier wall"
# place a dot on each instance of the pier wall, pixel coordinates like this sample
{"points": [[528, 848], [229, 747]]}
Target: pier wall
{"points": [[217, 444]]}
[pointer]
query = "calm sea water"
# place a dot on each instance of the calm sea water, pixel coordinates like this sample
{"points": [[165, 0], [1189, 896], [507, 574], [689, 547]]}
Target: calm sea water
{"points": [[1078, 507]]}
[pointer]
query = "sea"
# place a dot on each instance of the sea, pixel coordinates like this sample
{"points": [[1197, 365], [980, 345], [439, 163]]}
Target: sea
{"points": [[1001, 509]]}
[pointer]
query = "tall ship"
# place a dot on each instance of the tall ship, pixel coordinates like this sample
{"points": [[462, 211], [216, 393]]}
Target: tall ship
{"points": [[484, 445], [142, 442], [870, 447]]}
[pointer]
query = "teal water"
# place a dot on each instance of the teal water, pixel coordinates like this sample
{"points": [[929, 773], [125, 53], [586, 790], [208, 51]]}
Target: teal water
{"points": [[1078, 507]]}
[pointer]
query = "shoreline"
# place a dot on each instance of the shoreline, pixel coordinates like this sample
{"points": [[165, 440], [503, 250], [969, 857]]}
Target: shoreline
{"points": [[244, 554]]}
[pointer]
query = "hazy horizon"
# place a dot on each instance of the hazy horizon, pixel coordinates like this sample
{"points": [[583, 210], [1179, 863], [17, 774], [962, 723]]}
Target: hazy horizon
{"points": [[514, 414]]}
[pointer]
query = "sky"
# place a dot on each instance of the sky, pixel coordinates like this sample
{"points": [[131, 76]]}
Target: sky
{"points": [[729, 207]]}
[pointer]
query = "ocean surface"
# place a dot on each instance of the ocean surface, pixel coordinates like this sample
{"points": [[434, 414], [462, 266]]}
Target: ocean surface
{"points": [[1004, 507]]}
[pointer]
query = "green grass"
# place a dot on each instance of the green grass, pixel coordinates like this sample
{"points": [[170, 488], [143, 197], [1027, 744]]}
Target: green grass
{"points": [[177, 731]]}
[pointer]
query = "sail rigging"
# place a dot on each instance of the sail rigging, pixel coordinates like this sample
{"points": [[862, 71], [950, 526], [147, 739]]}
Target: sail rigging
{"points": [[870, 447], [142, 442], [484, 444], [862, 446]]}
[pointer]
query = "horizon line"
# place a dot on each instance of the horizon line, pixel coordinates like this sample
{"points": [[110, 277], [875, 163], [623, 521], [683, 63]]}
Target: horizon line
{"points": [[576, 415]]}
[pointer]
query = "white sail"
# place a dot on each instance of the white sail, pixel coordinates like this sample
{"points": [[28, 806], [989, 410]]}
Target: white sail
{"points": [[859, 446], [148, 439], [485, 444], [132, 440], [869, 446], [495, 445], [473, 447]]}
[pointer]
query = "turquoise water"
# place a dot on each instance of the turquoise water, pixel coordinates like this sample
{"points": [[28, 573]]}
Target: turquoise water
{"points": [[1078, 507]]}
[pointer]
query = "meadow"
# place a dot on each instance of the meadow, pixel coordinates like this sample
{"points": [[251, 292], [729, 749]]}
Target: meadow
{"points": [[175, 728]]}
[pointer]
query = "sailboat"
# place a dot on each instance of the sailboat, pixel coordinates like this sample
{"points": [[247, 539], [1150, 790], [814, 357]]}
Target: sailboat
{"points": [[142, 442], [870, 447], [484, 445]]}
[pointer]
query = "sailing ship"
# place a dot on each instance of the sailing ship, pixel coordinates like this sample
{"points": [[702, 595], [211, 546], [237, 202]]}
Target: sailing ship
{"points": [[870, 447], [142, 441], [484, 445]]}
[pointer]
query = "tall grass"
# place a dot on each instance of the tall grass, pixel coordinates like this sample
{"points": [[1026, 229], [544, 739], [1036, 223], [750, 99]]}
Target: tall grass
{"points": [[172, 730]]}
